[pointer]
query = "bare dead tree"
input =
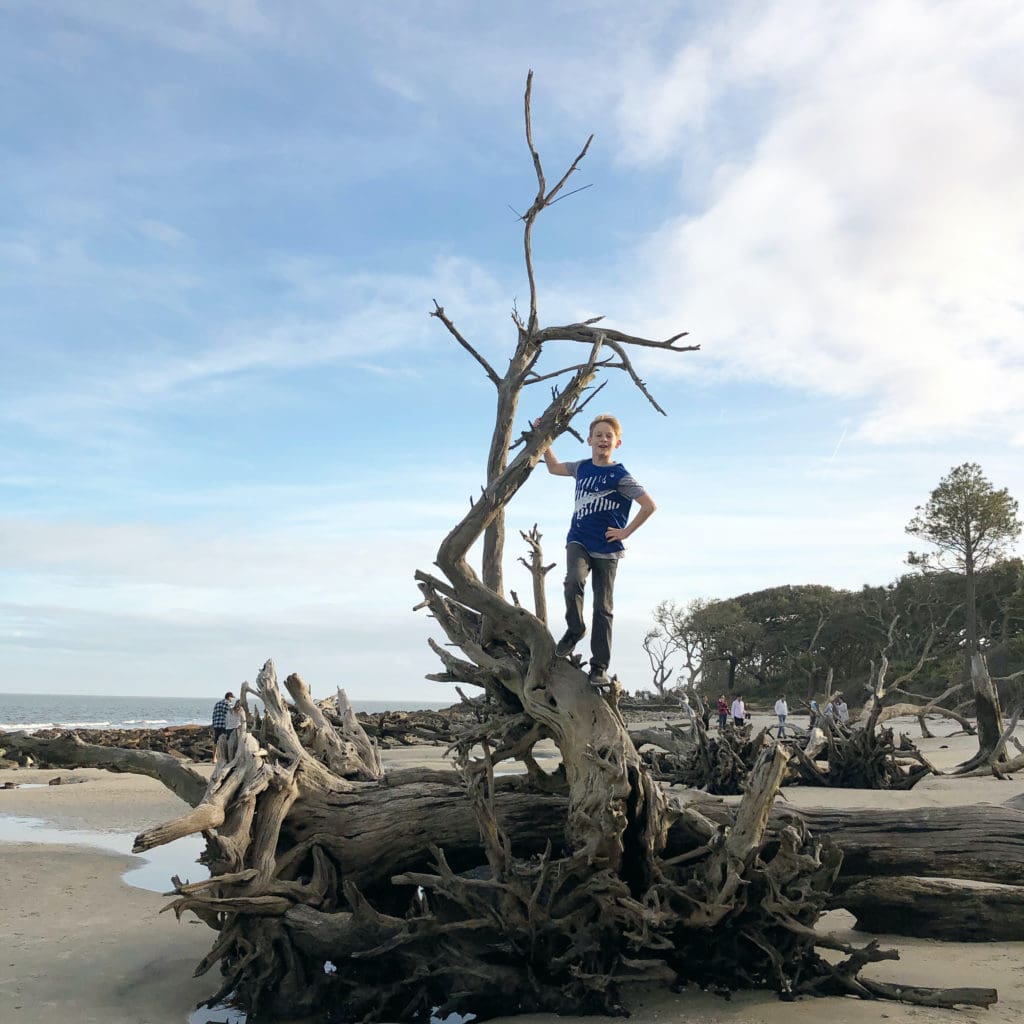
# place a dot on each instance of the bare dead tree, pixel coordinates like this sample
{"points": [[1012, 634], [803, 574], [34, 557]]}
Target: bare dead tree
{"points": [[916, 647], [678, 637], [659, 649], [807, 658], [993, 735]]}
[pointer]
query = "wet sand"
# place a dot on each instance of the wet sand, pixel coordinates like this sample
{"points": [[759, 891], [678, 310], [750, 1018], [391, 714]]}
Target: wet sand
{"points": [[81, 944]]}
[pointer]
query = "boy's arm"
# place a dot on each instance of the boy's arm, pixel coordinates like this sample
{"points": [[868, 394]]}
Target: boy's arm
{"points": [[646, 510], [555, 468]]}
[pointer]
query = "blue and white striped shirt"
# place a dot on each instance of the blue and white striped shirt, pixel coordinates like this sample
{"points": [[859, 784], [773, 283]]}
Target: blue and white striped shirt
{"points": [[603, 497]]}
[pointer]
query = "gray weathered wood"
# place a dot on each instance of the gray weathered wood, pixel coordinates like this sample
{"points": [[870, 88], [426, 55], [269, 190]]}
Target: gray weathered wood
{"points": [[937, 909]]}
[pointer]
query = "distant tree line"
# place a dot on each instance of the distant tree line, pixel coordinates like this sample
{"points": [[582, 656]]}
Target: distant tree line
{"points": [[805, 641]]}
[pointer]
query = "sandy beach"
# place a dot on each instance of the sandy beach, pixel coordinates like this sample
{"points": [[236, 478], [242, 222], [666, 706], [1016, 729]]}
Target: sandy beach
{"points": [[83, 944]]}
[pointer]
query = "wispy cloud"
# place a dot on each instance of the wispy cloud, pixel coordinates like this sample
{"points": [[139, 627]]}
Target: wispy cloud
{"points": [[167, 234], [839, 444], [354, 319], [191, 27]]}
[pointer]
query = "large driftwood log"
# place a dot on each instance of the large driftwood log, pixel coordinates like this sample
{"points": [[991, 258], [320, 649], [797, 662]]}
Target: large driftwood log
{"points": [[978, 841], [928, 706], [670, 738], [374, 831], [937, 909], [369, 833], [70, 751]]}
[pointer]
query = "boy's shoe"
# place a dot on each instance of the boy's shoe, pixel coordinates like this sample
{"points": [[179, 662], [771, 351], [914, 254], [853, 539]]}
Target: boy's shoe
{"points": [[599, 677], [565, 646]]}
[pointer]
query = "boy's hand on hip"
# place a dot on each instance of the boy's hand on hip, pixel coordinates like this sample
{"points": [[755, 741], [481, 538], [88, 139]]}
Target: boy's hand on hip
{"points": [[613, 534]]}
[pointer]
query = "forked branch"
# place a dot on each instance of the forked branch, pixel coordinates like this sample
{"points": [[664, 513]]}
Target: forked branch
{"points": [[544, 198]]}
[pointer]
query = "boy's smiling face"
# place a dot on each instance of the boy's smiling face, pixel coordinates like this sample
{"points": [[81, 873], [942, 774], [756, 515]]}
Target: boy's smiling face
{"points": [[603, 441]]}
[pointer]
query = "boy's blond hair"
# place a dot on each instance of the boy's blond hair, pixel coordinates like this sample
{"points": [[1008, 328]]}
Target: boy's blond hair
{"points": [[612, 421]]}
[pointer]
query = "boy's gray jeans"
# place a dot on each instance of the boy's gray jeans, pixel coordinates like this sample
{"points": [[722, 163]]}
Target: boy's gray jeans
{"points": [[580, 563]]}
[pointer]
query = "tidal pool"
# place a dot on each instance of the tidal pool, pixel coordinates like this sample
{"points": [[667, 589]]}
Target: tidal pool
{"points": [[156, 869]]}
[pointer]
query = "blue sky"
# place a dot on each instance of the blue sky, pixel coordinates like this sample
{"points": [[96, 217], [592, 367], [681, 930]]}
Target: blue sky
{"points": [[230, 431]]}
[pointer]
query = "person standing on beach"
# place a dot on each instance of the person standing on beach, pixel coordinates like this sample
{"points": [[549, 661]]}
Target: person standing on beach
{"points": [[604, 492], [843, 710], [782, 710], [233, 719], [739, 711], [220, 719], [723, 711], [704, 710]]}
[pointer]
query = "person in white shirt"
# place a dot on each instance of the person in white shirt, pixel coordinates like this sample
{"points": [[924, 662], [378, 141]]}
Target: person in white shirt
{"points": [[739, 712], [843, 710], [782, 710]]}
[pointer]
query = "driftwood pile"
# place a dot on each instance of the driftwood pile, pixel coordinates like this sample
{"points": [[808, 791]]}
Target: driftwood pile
{"points": [[867, 757], [424, 898], [408, 728], [831, 755], [187, 742], [719, 764], [49, 747], [508, 882]]}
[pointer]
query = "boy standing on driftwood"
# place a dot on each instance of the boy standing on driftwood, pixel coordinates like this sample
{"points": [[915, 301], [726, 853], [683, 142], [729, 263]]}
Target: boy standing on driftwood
{"points": [[604, 493]]}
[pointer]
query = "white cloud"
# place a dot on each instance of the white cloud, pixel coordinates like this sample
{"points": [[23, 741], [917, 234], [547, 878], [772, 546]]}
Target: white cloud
{"points": [[869, 243], [377, 322], [656, 110]]}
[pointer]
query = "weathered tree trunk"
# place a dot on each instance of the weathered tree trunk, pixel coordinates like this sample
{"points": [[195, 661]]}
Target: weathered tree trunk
{"points": [[375, 830], [971, 607], [69, 751], [937, 909], [980, 842], [919, 712], [989, 714], [670, 738]]}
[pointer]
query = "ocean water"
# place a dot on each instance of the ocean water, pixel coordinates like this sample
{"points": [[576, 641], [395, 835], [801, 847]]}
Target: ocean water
{"points": [[30, 712]]}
